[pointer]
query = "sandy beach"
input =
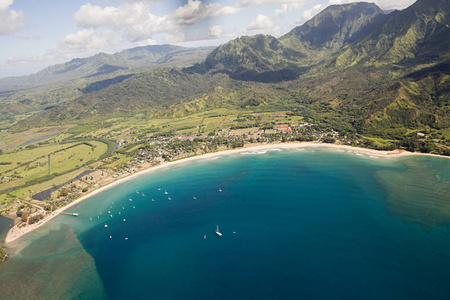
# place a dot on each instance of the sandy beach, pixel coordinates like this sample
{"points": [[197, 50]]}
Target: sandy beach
{"points": [[15, 232]]}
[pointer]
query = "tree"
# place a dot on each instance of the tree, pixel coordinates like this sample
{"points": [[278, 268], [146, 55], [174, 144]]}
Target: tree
{"points": [[24, 216]]}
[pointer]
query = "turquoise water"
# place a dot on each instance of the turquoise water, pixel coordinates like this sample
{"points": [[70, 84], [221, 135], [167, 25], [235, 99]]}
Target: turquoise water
{"points": [[296, 224]]}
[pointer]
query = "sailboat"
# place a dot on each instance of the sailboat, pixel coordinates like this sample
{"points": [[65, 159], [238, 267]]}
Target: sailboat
{"points": [[217, 231]]}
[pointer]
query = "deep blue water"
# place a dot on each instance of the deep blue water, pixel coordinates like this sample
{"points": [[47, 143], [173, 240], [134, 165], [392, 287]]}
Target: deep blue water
{"points": [[309, 224]]}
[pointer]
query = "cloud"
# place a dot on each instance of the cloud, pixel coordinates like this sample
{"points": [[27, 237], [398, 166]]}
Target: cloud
{"points": [[287, 7], [10, 20], [252, 3], [260, 23], [85, 39], [196, 11], [214, 32], [134, 21], [93, 16], [310, 13]]}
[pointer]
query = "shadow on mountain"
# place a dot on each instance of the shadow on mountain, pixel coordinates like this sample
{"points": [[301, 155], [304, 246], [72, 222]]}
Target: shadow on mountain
{"points": [[442, 68], [100, 85], [106, 69], [264, 77]]}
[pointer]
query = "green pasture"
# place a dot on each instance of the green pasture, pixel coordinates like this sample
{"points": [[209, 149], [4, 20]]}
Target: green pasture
{"points": [[32, 164], [22, 192]]}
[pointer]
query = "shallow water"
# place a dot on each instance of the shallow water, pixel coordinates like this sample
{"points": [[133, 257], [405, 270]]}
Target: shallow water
{"points": [[5, 225], [310, 224]]}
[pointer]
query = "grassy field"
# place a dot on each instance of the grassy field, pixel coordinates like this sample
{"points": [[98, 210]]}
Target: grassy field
{"points": [[23, 192], [24, 166], [13, 140]]}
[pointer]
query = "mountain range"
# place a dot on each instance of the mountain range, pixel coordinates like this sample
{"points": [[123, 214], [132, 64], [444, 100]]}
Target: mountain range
{"points": [[352, 66]]}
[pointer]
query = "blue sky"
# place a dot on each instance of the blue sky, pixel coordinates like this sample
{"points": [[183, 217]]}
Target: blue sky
{"points": [[35, 34]]}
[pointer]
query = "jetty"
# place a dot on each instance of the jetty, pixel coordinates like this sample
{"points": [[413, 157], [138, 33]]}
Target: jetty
{"points": [[70, 214]]}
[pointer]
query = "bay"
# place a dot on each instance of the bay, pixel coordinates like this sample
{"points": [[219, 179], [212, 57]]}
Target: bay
{"points": [[301, 223]]}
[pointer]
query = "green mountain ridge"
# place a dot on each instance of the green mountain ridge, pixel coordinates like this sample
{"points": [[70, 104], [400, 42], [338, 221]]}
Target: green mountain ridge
{"points": [[335, 27], [259, 58], [108, 64], [417, 35]]}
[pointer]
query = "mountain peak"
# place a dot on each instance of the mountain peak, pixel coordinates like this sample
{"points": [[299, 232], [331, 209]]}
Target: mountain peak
{"points": [[335, 26], [259, 57]]}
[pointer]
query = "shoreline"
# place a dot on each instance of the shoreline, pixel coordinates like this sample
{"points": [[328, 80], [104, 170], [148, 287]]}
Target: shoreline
{"points": [[15, 233]]}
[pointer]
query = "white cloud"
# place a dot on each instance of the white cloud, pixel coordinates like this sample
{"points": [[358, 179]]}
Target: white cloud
{"points": [[85, 39], [287, 7], [93, 16], [310, 13], [10, 20], [260, 23], [134, 22], [196, 11], [214, 32], [251, 3]]}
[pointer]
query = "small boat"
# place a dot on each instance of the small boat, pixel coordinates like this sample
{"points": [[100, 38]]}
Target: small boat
{"points": [[165, 192], [124, 220], [159, 189], [126, 238], [143, 195], [119, 212], [109, 212], [110, 237], [130, 199], [90, 218], [220, 189], [134, 207], [137, 192], [169, 198], [217, 231], [106, 225], [110, 216], [204, 237], [194, 198], [153, 199]]}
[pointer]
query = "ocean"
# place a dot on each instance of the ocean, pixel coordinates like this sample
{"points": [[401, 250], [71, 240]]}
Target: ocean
{"points": [[311, 223]]}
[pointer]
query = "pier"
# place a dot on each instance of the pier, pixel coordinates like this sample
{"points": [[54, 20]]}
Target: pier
{"points": [[70, 214]]}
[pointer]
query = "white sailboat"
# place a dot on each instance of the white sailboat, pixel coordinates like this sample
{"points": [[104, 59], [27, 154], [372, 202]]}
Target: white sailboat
{"points": [[217, 231]]}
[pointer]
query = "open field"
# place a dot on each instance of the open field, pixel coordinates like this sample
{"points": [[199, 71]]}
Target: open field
{"points": [[23, 139], [23, 167]]}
